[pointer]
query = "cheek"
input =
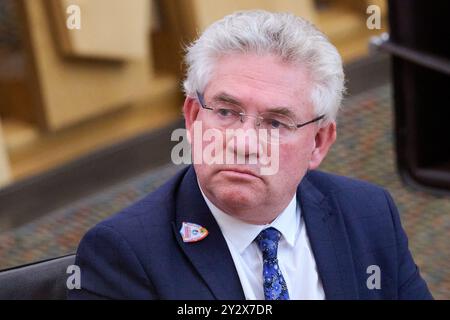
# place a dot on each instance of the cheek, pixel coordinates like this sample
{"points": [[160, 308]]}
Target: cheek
{"points": [[294, 159], [197, 133]]}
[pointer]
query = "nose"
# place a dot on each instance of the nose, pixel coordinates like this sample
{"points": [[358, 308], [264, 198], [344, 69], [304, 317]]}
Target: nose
{"points": [[243, 143], [250, 121]]}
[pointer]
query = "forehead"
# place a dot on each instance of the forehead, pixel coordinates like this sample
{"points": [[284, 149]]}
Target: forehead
{"points": [[260, 80]]}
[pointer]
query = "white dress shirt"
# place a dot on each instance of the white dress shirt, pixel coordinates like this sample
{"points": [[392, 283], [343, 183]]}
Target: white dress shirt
{"points": [[295, 257]]}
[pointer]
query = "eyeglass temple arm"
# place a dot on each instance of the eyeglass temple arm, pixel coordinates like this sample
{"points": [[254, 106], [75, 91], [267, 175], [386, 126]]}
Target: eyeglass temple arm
{"points": [[311, 121], [201, 99]]}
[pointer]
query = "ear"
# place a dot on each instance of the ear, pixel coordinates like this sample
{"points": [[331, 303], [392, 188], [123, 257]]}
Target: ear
{"points": [[190, 111], [325, 137]]}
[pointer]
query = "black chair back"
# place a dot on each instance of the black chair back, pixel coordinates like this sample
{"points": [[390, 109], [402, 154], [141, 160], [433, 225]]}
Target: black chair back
{"points": [[45, 280]]}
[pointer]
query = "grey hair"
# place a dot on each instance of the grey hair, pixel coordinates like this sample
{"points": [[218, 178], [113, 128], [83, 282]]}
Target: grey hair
{"points": [[293, 39]]}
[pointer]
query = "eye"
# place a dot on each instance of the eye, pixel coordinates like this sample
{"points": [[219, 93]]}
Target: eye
{"points": [[223, 112], [227, 113], [275, 124]]}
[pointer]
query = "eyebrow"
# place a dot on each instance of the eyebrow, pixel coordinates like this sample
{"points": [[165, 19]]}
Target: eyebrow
{"points": [[283, 110], [225, 97]]}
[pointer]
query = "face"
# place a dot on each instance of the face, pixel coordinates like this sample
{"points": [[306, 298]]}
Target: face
{"points": [[259, 84]]}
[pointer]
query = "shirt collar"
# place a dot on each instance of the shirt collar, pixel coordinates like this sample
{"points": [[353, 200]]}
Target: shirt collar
{"points": [[242, 234]]}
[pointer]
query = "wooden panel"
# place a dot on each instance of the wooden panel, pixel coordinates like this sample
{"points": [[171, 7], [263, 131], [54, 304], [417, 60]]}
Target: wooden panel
{"points": [[4, 163], [70, 90], [208, 11], [192, 16], [112, 29], [15, 95], [30, 157]]}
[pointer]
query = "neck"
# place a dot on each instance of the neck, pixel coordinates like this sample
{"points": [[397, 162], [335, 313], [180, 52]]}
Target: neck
{"points": [[260, 215]]}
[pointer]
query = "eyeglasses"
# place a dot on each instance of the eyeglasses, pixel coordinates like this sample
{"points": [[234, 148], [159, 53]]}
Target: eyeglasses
{"points": [[226, 115]]}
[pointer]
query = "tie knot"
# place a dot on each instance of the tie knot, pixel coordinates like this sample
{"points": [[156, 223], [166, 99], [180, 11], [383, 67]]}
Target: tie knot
{"points": [[268, 242]]}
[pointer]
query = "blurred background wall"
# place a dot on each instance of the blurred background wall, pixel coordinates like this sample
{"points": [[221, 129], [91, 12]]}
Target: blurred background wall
{"points": [[58, 84]]}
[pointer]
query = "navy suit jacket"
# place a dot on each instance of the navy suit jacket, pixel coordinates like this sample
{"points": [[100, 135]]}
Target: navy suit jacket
{"points": [[139, 253]]}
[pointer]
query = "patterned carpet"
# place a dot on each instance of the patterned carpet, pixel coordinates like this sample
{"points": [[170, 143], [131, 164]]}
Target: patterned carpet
{"points": [[364, 150]]}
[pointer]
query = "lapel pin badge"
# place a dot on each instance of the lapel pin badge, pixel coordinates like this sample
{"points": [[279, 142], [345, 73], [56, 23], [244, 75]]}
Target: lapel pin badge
{"points": [[191, 232]]}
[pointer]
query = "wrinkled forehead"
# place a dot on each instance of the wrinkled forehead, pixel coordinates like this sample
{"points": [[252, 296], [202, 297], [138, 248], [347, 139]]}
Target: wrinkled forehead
{"points": [[259, 81]]}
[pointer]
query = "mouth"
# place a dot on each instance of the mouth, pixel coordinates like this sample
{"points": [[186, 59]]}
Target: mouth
{"points": [[240, 173]]}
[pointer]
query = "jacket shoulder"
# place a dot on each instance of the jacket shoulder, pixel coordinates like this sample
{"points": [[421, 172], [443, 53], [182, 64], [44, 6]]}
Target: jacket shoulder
{"points": [[154, 210], [333, 183], [353, 198]]}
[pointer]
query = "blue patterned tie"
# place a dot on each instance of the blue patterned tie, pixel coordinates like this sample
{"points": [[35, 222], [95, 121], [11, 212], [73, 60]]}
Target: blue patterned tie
{"points": [[275, 287]]}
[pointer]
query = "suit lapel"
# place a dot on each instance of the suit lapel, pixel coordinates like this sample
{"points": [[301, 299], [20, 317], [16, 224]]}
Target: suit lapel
{"points": [[210, 256], [213, 261], [329, 242]]}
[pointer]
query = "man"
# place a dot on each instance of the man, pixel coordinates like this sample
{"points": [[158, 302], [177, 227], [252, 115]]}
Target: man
{"points": [[228, 229]]}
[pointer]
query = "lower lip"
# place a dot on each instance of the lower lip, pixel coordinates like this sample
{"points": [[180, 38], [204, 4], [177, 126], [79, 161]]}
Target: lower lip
{"points": [[238, 174]]}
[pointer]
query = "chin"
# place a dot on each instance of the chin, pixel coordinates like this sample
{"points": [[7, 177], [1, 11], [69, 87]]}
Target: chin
{"points": [[239, 197]]}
